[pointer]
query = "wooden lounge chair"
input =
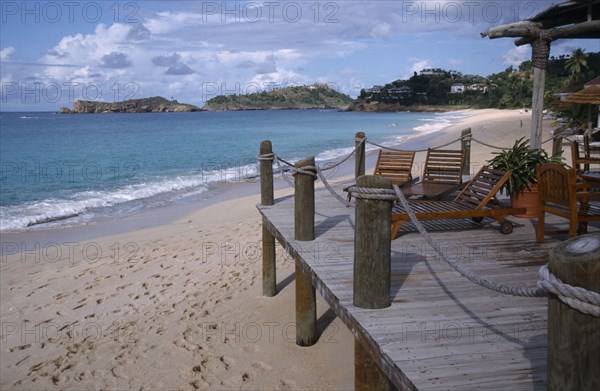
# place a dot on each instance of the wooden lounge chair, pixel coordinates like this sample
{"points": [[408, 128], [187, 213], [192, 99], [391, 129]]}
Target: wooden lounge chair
{"points": [[395, 165], [476, 201], [562, 194], [441, 175]]}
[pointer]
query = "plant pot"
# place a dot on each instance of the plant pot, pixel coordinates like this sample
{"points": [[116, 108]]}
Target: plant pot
{"points": [[527, 198]]}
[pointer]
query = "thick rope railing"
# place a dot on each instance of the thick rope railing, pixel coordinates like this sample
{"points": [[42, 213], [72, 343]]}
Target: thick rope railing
{"points": [[306, 170], [581, 299], [361, 142], [578, 298], [273, 156], [331, 189], [318, 172], [368, 193]]}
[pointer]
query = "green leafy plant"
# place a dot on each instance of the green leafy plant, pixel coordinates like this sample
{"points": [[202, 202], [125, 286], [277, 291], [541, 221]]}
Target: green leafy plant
{"points": [[522, 160]]}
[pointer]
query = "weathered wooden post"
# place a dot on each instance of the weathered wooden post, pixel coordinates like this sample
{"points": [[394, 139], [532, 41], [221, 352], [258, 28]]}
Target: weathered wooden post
{"points": [[269, 270], [465, 144], [304, 229], [359, 156], [557, 141], [372, 273], [372, 246], [574, 337], [367, 374]]}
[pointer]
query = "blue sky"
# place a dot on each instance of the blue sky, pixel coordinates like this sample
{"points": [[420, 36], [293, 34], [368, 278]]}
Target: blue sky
{"points": [[55, 52]]}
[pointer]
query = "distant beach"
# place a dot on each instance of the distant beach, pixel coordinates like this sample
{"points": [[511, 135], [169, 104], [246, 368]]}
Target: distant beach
{"points": [[170, 297]]}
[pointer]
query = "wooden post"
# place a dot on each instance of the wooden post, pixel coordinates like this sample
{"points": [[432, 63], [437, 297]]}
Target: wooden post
{"points": [[557, 142], [367, 373], [537, 111], [372, 247], [304, 229], [306, 309], [269, 270], [359, 157], [304, 203], [574, 337], [266, 175], [466, 145]]}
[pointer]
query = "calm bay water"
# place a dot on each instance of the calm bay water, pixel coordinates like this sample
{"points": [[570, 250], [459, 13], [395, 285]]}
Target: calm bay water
{"points": [[73, 168]]}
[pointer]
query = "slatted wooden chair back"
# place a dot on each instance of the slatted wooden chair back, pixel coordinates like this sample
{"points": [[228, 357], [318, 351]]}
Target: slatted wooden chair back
{"points": [[444, 166], [556, 185], [395, 165], [483, 188], [561, 194]]}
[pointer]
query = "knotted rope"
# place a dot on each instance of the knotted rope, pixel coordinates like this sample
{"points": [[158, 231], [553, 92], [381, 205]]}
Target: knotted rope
{"points": [[273, 156], [306, 170], [369, 193], [540, 47], [581, 299]]}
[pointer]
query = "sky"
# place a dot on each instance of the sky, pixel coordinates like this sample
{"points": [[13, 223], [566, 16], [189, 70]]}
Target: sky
{"points": [[53, 53]]}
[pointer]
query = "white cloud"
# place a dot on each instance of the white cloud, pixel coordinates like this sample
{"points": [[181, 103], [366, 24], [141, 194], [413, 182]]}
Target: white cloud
{"points": [[563, 48], [420, 65], [517, 55], [349, 43], [383, 30], [7, 53]]}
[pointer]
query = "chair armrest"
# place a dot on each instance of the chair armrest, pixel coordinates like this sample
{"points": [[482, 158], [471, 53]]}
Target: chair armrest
{"points": [[587, 195], [588, 160], [410, 182]]}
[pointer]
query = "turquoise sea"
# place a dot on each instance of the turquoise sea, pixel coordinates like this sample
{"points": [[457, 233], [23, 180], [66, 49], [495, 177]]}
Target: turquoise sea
{"points": [[70, 169]]}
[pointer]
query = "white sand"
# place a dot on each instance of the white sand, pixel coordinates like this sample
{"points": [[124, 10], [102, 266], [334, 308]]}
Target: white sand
{"points": [[179, 306]]}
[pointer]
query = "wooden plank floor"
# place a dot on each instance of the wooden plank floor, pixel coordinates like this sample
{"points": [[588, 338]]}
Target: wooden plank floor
{"points": [[442, 331]]}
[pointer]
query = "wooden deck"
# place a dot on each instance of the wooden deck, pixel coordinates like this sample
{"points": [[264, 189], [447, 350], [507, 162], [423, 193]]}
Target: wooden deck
{"points": [[442, 331]]}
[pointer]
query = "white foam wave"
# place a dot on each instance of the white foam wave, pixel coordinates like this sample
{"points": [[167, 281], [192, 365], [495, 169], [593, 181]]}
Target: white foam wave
{"points": [[19, 217], [440, 122]]}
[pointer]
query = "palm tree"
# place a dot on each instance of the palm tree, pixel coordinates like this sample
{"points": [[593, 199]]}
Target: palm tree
{"points": [[577, 63]]}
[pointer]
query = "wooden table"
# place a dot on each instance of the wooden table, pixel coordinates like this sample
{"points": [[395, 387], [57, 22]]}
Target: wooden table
{"points": [[591, 176]]}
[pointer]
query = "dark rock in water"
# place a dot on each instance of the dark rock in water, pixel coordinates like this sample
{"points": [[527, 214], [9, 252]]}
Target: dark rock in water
{"points": [[155, 104]]}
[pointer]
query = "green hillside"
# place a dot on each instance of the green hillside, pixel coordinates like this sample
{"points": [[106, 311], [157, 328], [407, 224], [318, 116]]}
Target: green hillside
{"points": [[317, 96]]}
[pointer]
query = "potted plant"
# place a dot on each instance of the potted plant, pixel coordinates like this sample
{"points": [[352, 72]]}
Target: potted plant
{"points": [[522, 184]]}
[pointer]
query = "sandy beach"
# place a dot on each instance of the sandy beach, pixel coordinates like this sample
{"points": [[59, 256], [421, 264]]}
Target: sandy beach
{"points": [[179, 305]]}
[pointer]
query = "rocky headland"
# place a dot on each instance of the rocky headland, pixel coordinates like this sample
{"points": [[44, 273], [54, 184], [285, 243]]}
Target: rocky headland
{"points": [[156, 104]]}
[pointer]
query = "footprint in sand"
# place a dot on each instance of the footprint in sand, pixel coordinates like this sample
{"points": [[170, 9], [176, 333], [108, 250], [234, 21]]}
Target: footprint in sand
{"points": [[21, 347], [227, 362], [261, 365]]}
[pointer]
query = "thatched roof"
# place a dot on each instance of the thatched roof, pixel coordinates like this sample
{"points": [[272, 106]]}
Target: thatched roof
{"points": [[589, 96]]}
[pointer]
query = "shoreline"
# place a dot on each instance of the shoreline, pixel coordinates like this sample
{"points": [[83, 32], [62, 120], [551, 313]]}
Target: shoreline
{"points": [[225, 191], [177, 304], [215, 183]]}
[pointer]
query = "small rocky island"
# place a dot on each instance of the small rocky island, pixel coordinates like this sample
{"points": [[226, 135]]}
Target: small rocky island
{"points": [[156, 104], [316, 96]]}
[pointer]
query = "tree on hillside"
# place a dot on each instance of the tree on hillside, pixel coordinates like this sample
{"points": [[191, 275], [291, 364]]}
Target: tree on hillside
{"points": [[577, 64]]}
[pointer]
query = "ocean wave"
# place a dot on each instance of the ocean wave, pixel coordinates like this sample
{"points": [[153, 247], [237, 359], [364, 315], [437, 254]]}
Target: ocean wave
{"points": [[83, 205], [440, 122]]}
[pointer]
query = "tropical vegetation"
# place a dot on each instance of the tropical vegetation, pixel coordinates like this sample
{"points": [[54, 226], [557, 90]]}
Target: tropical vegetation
{"points": [[522, 160], [511, 88]]}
